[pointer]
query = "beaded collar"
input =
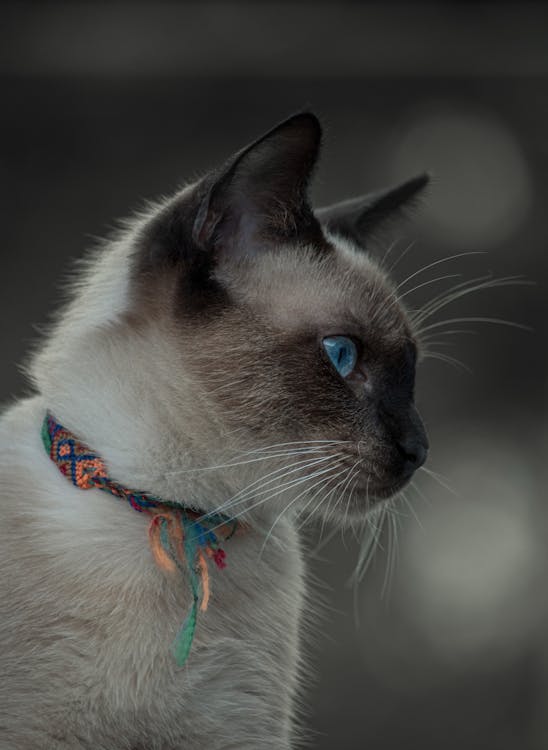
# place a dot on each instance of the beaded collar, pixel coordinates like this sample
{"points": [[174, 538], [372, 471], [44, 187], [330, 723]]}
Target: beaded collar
{"points": [[180, 538]]}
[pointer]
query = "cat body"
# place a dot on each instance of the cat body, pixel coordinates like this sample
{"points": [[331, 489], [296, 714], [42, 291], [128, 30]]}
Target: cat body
{"points": [[188, 359]]}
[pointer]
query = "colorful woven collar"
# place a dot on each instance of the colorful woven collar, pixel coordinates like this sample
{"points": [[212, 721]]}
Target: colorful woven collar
{"points": [[180, 538]]}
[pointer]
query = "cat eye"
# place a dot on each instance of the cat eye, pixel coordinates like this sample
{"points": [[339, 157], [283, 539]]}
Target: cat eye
{"points": [[342, 352]]}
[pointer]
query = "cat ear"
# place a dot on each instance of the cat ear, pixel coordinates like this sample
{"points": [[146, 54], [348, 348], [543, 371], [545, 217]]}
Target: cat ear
{"points": [[357, 218], [260, 196]]}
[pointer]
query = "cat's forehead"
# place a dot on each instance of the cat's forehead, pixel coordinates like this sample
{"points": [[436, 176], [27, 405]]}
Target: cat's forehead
{"points": [[341, 291]]}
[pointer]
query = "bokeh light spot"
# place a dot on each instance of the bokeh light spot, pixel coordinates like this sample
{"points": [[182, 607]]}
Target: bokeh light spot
{"points": [[481, 191]]}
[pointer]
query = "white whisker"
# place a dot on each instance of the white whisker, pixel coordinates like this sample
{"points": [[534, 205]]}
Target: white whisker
{"points": [[499, 321], [275, 476], [437, 263], [349, 501], [300, 442], [325, 489], [393, 552], [402, 255], [233, 464], [409, 504], [344, 481], [386, 255], [420, 493], [450, 297], [451, 332], [447, 292], [289, 505], [425, 283], [370, 541], [294, 483], [440, 479], [448, 359], [389, 567]]}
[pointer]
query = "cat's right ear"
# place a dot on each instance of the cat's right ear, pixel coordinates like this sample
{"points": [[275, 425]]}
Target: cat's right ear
{"points": [[359, 218], [256, 201]]}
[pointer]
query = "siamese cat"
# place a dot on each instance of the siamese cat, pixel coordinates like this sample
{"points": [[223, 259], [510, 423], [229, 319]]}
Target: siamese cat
{"points": [[233, 363]]}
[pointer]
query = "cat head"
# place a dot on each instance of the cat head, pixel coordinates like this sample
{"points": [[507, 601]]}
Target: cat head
{"points": [[291, 338]]}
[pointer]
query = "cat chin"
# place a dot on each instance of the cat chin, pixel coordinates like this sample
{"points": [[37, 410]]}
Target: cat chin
{"points": [[367, 493], [365, 500], [385, 493]]}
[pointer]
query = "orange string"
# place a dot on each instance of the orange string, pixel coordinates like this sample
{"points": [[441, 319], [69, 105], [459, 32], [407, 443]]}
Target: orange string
{"points": [[164, 561], [202, 564], [161, 557]]}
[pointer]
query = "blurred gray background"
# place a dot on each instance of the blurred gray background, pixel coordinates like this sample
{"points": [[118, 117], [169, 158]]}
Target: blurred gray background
{"points": [[107, 103]]}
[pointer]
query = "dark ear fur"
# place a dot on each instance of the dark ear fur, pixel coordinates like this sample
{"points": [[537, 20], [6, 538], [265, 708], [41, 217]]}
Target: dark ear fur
{"points": [[260, 195], [358, 218], [255, 201]]}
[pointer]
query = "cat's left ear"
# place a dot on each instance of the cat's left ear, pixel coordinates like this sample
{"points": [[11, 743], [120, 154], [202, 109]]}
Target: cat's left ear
{"points": [[358, 218]]}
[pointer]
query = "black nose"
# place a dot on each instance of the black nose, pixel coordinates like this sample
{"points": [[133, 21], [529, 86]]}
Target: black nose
{"points": [[414, 452]]}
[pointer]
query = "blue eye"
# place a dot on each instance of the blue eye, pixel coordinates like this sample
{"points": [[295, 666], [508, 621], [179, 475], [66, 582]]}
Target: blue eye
{"points": [[342, 352]]}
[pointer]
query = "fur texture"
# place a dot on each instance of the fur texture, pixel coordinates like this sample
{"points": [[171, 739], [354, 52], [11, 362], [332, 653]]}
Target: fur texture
{"points": [[190, 359]]}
